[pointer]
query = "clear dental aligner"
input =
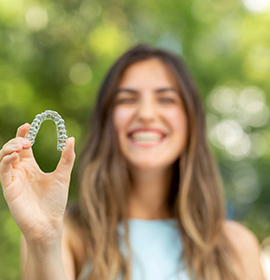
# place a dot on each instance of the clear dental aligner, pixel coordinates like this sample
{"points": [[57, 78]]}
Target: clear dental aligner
{"points": [[60, 127]]}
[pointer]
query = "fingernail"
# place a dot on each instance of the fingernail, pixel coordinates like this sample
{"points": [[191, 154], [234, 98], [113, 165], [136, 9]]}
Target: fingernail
{"points": [[71, 139], [25, 142]]}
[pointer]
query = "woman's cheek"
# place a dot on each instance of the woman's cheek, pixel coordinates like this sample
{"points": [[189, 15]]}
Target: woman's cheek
{"points": [[177, 118], [122, 116]]}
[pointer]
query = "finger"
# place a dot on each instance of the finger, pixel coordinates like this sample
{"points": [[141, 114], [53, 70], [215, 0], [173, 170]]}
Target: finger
{"points": [[66, 162], [13, 141], [21, 131], [9, 149], [14, 145], [6, 167], [26, 151]]}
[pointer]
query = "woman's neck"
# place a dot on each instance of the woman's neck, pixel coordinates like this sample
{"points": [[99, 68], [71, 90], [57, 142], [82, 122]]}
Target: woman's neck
{"points": [[147, 198]]}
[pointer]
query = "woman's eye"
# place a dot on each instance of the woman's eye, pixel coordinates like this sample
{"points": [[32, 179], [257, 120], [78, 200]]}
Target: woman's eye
{"points": [[125, 100], [167, 100]]}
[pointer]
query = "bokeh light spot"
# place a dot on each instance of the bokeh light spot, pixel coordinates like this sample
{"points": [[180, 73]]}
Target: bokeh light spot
{"points": [[251, 101], [229, 135], [80, 74], [232, 26], [108, 40], [36, 18], [222, 99], [257, 6]]}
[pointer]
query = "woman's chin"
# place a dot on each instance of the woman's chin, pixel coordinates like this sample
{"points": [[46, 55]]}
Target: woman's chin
{"points": [[145, 166]]}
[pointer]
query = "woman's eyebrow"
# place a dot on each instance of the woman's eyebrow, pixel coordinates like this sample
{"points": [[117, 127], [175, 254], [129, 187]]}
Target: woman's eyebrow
{"points": [[133, 91]]}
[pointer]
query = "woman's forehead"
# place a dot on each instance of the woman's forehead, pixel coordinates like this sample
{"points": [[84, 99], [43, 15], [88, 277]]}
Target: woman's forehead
{"points": [[151, 72]]}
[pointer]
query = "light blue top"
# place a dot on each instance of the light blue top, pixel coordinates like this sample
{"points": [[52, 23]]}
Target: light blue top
{"points": [[156, 250]]}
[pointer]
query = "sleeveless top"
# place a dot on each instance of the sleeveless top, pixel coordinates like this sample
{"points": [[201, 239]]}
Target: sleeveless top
{"points": [[156, 250]]}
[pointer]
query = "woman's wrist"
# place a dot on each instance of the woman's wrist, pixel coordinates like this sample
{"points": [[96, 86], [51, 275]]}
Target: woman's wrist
{"points": [[44, 261], [42, 248], [40, 244]]}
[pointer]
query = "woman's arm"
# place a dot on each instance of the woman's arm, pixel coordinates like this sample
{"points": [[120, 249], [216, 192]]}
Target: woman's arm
{"points": [[247, 248], [55, 263], [37, 202], [42, 262]]}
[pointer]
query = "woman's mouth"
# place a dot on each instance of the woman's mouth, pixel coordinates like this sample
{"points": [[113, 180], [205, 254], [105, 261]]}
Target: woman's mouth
{"points": [[146, 139]]}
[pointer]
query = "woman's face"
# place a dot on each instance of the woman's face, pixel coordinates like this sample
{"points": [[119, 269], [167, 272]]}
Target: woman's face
{"points": [[149, 116]]}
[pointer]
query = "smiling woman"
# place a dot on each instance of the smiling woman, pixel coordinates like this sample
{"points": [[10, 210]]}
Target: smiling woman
{"points": [[149, 118], [147, 164], [151, 204]]}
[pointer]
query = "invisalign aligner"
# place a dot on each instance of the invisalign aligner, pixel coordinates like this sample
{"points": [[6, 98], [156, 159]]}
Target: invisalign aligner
{"points": [[60, 128]]}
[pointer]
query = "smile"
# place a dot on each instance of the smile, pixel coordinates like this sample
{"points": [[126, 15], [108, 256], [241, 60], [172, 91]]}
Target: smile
{"points": [[146, 139]]}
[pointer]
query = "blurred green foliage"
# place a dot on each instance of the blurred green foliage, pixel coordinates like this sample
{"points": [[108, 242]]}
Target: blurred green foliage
{"points": [[54, 55]]}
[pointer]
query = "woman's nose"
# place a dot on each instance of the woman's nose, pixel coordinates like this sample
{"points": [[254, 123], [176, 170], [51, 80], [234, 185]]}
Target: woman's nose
{"points": [[146, 110]]}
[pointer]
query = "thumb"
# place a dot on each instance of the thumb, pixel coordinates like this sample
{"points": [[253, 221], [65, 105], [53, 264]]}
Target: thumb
{"points": [[67, 159]]}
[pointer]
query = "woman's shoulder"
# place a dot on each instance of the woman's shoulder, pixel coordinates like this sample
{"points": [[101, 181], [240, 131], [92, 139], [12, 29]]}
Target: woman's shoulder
{"points": [[239, 233], [73, 238], [247, 248], [243, 239]]}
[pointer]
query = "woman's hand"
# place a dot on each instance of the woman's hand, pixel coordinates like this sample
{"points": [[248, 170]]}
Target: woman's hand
{"points": [[36, 200]]}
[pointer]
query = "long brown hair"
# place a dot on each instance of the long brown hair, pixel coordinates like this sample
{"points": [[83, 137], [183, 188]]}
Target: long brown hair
{"points": [[196, 196]]}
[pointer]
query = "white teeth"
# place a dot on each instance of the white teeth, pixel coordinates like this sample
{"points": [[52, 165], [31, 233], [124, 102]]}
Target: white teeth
{"points": [[146, 136]]}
